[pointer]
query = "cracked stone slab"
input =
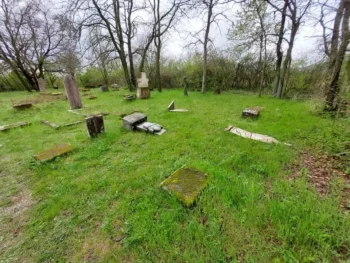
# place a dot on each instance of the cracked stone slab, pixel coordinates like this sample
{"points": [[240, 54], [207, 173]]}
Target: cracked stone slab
{"points": [[186, 184], [14, 125]]}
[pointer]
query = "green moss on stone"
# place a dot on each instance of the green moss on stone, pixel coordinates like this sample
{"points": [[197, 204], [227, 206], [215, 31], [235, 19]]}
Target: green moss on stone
{"points": [[186, 184], [53, 152]]}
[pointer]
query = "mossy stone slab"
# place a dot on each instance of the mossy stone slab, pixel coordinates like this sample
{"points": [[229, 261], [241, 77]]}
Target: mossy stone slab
{"points": [[186, 184], [53, 152]]}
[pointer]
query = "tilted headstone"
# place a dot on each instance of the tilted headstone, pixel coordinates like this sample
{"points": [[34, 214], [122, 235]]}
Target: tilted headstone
{"points": [[94, 125], [72, 91], [42, 85], [143, 91]]}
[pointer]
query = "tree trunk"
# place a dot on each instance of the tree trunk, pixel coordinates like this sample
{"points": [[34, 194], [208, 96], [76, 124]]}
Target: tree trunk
{"points": [[279, 52], [205, 47], [332, 103]]}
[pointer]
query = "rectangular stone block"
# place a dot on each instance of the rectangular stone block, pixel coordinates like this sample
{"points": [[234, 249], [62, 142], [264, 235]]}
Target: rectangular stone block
{"points": [[131, 121], [53, 152]]}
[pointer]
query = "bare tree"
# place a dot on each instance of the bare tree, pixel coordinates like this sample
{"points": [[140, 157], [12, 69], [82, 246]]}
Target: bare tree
{"points": [[335, 49], [295, 10], [29, 36]]}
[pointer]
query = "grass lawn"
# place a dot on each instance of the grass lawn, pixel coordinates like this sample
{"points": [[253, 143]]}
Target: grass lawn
{"points": [[103, 203]]}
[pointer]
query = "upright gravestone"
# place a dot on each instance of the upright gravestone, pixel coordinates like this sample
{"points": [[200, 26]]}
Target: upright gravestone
{"points": [[95, 125], [104, 88], [42, 85], [143, 91], [72, 91]]}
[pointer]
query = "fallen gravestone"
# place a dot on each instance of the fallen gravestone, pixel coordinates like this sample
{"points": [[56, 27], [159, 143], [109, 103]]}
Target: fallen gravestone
{"points": [[252, 112], [53, 152], [171, 108], [104, 89], [94, 125], [91, 97], [186, 184], [14, 125], [21, 106], [51, 124], [251, 135], [73, 123], [138, 121], [143, 92], [72, 91], [130, 97]]}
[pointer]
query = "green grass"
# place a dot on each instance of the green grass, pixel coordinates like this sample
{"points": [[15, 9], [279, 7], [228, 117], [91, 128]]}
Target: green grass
{"points": [[108, 187]]}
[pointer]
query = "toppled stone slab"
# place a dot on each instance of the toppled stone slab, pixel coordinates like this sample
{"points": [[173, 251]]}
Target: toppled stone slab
{"points": [[130, 97], [186, 184], [149, 127], [252, 112], [251, 135], [71, 124], [14, 125], [92, 97], [53, 152], [21, 106], [51, 93], [51, 124], [131, 121], [171, 108]]}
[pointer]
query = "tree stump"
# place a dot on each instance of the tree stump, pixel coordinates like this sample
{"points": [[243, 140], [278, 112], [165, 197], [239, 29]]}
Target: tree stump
{"points": [[72, 91], [94, 125]]}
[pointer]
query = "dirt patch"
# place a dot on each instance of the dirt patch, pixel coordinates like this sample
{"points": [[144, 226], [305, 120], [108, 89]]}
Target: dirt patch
{"points": [[20, 203], [320, 171]]}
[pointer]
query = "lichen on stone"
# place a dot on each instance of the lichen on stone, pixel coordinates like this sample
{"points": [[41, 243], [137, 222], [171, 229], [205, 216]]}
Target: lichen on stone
{"points": [[186, 184]]}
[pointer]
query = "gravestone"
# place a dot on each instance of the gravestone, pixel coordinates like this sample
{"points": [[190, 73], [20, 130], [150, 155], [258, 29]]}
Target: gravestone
{"points": [[171, 108], [51, 124], [42, 85], [104, 89], [72, 91], [14, 125], [186, 184], [143, 91], [53, 152], [131, 121], [130, 97], [55, 86], [94, 125], [252, 112], [21, 106], [115, 87]]}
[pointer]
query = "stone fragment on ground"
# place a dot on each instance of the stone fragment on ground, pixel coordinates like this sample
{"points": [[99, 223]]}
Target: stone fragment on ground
{"points": [[186, 184], [54, 152], [14, 125]]}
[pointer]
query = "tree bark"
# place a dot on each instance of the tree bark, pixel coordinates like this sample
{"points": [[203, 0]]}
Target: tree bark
{"points": [[205, 47]]}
